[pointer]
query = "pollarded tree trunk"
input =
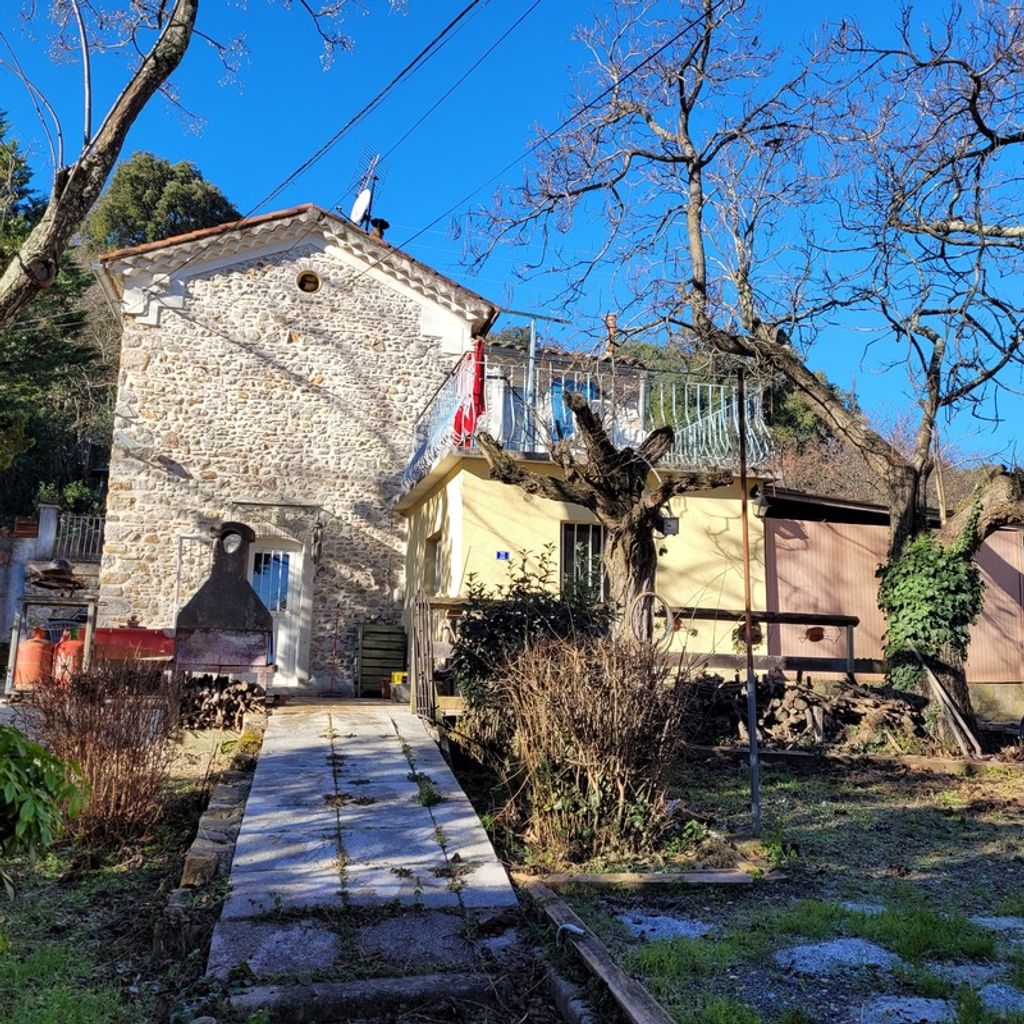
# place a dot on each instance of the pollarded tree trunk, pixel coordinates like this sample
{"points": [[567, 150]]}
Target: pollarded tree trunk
{"points": [[631, 561], [613, 483]]}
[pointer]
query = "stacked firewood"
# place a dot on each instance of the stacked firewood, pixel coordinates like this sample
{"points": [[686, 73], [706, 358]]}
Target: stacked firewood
{"points": [[794, 714], [218, 702]]}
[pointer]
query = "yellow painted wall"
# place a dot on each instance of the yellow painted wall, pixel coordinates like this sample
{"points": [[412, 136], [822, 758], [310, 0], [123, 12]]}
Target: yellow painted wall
{"points": [[499, 517], [702, 565], [437, 514]]}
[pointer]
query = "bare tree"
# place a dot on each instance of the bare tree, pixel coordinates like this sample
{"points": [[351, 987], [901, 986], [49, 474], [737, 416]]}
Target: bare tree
{"points": [[84, 27], [616, 485], [727, 173]]}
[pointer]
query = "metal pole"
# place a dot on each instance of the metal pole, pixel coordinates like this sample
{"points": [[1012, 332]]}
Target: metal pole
{"points": [[531, 384], [90, 636], [748, 624], [12, 656]]}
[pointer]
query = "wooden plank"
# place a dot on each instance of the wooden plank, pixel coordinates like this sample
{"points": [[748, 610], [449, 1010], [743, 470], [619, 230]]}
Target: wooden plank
{"points": [[791, 618], [652, 879], [794, 663], [637, 1004]]}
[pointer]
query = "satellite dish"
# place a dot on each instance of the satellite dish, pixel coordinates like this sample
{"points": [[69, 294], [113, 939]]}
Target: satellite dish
{"points": [[361, 207]]}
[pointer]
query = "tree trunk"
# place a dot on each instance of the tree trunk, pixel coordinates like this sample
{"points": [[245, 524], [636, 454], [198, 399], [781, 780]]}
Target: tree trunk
{"points": [[952, 676], [78, 186], [631, 561]]}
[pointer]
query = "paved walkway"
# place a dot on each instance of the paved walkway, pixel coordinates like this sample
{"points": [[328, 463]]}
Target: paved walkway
{"points": [[350, 809]]}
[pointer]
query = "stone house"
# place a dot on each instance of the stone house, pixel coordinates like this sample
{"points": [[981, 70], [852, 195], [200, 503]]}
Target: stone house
{"points": [[271, 372], [300, 375]]}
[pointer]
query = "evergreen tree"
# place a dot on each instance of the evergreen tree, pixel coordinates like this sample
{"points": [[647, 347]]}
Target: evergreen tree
{"points": [[40, 350], [150, 198]]}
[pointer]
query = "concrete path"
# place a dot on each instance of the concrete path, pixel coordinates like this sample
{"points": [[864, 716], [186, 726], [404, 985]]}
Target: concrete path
{"points": [[353, 817]]}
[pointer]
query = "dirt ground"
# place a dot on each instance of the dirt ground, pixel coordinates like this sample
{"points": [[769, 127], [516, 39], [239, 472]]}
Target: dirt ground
{"points": [[889, 862]]}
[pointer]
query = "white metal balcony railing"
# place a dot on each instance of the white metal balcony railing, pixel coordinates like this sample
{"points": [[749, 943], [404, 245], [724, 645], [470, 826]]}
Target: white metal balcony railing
{"points": [[80, 538], [526, 414]]}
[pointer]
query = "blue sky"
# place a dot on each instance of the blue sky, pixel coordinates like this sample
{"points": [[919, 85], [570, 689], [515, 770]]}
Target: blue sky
{"points": [[284, 106]]}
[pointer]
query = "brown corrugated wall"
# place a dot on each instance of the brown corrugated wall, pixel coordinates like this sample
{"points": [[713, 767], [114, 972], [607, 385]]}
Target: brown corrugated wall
{"points": [[830, 568]]}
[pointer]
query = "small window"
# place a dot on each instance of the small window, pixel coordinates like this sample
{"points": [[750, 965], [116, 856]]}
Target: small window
{"points": [[583, 559], [270, 579], [308, 281], [433, 569]]}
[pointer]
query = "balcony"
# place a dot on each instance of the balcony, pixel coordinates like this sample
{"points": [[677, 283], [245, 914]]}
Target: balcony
{"points": [[524, 408]]}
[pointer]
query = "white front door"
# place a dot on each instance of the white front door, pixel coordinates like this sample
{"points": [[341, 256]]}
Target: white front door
{"points": [[276, 575]]}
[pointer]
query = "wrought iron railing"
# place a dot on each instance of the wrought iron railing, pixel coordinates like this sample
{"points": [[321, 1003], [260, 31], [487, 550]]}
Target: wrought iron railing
{"points": [[526, 410], [80, 538]]}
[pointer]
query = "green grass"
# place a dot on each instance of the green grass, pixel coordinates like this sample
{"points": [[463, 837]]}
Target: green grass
{"points": [[82, 921], [52, 985], [1012, 905], [971, 1010], [671, 966], [1016, 972], [792, 1016], [922, 982], [916, 932]]}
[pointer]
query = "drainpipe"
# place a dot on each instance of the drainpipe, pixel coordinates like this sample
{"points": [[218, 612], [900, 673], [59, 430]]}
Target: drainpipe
{"points": [[531, 383]]}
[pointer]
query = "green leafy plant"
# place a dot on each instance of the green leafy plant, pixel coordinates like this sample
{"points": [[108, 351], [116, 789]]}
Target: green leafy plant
{"points": [[776, 849], [38, 792], [497, 623], [931, 596]]}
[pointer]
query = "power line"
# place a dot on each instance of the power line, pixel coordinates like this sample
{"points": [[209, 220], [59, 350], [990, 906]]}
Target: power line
{"points": [[430, 109], [421, 58], [490, 49], [428, 51], [544, 138]]}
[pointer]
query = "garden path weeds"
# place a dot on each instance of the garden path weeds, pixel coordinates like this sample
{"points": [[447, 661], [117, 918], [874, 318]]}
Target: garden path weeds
{"points": [[359, 861]]}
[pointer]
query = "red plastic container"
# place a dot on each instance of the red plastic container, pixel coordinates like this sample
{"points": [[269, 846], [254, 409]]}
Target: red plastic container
{"points": [[131, 643]]}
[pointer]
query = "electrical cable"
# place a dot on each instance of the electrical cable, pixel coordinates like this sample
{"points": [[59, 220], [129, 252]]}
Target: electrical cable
{"points": [[421, 58], [539, 142]]}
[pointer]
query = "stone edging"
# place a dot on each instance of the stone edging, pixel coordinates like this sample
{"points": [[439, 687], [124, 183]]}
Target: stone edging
{"points": [[184, 924]]}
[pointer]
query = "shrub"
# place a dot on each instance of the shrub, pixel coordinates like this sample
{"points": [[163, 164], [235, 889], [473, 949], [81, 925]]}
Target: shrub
{"points": [[37, 792], [496, 624], [592, 727], [116, 722]]}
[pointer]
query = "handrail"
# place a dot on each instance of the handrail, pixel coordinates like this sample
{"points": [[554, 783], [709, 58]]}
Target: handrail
{"points": [[80, 537]]}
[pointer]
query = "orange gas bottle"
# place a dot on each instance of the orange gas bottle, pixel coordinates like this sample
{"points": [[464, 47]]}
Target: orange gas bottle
{"points": [[67, 657], [35, 660]]}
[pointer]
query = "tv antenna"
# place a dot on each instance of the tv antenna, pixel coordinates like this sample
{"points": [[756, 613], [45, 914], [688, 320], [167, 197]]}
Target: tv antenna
{"points": [[372, 173]]}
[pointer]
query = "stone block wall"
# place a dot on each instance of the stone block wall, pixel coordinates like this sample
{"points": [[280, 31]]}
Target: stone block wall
{"points": [[255, 391]]}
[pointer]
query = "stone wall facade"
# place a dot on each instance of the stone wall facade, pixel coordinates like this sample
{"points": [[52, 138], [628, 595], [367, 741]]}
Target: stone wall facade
{"points": [[255, 398]]}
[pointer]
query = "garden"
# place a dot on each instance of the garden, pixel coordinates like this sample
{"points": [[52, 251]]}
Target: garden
{"points": [[881, 889], [95, 827]]}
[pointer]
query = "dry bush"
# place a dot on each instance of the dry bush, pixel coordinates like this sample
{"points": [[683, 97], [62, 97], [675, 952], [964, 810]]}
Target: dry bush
{"points": [[117, 723], [594, 726]]}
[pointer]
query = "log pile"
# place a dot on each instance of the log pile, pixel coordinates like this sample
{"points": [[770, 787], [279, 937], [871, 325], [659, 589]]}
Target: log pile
{"points": [[792, 715], [218, 702]]}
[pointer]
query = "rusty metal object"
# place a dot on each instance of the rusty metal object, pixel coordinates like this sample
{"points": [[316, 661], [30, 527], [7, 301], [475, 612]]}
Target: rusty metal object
{"points": [[55, 575]]}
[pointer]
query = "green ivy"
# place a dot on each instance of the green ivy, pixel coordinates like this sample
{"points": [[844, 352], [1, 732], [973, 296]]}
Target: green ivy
{"points": [[931, 595]]}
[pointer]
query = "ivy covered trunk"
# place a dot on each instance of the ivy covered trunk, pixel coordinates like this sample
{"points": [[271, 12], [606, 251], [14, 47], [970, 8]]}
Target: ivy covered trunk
{"points": [[931, 595]]}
